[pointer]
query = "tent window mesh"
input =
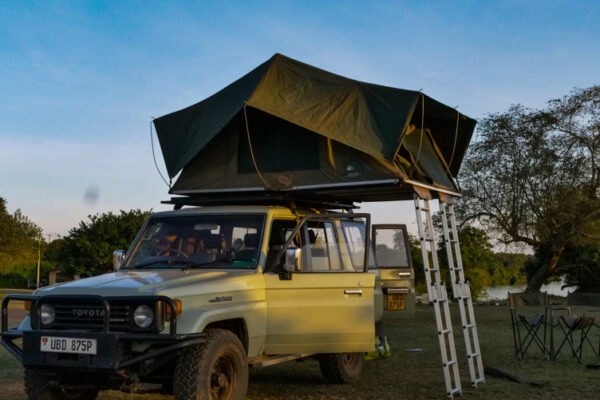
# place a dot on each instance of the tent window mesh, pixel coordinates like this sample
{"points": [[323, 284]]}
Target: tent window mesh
{"points": [[277, 145]]}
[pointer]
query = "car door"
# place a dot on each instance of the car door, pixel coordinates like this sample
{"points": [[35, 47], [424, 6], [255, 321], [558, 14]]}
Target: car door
{"points": [[393, 259], [327, 305]]}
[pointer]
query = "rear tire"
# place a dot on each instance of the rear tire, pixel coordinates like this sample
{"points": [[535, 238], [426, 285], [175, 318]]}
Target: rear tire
{"points": [[41, 386], [341, 368], [215, 370]]}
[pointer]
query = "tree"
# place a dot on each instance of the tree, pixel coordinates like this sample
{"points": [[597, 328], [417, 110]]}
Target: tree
{"points": [[581, 265], [482, 267], [533, 177], [18, 240], [88, 248]]}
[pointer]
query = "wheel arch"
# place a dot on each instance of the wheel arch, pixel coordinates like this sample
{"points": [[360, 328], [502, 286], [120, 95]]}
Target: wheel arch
{"points": [[237, 326]]}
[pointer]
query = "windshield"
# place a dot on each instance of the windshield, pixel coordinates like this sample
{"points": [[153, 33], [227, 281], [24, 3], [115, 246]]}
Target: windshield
{"points": [[194, 241]]}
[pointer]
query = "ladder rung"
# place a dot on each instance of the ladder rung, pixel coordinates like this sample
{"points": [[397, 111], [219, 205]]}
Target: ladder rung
{"points": [[477, 381], [457, 390], [451, 362], [458, 269], [445, 331], [428, 239], [424, 209], [473, 355], [434, 269], [453, 241], [468, 326]]}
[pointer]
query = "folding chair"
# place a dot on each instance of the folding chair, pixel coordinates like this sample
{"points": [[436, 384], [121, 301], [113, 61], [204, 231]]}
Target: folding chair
{"points": [[570, 325], [595, 327], [531, 325]]}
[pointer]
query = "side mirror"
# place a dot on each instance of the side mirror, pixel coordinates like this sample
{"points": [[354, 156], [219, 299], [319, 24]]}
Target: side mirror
{"points": [[118, 257], [292, 263]]}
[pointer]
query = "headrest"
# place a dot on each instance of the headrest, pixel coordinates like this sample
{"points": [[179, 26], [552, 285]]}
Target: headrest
{"points": [[312, 236], [251, 240], [213, 242], [277, 237]]}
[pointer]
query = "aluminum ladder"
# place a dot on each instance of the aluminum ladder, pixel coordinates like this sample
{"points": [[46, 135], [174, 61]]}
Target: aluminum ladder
{"points": [[461, 291], [438, 297]]}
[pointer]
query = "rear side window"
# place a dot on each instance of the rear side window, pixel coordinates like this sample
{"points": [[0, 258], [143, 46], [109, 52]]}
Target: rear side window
{"points": [[390, 248]]}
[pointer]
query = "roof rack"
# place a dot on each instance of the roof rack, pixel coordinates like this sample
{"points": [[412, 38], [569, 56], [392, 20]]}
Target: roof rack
{"points": [[294, 199]]}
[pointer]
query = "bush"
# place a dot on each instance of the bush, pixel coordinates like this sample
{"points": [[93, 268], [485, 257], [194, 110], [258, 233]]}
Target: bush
{"points": [[482, 267], [581, 266]]}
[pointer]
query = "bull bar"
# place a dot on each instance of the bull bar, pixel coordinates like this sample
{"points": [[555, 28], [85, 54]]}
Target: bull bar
{"points": [[107, 339]]}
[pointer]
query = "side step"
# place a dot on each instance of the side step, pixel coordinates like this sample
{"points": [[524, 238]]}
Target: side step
{"points": [[274, 360]]}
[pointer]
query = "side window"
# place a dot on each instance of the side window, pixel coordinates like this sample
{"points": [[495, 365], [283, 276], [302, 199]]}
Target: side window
{"points": [[280, 232], [319, 259], [321, 253], [390, 246], [333, 248], [354, 235]]}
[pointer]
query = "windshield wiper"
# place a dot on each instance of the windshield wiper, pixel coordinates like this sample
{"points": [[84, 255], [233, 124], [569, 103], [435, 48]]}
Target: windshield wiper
{"points": [[149, 263]]}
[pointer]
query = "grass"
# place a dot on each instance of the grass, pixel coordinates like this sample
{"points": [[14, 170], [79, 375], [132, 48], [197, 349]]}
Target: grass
{"points": [[410, 375]]}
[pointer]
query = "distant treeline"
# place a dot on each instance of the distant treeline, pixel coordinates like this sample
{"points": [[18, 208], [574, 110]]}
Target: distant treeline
{"points": [[86, 250]]}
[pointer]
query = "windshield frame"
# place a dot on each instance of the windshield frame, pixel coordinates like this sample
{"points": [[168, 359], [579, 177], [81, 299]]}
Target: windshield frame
{"points": [[183, 265]]}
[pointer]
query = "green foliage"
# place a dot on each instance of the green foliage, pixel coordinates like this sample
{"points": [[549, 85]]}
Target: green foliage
{"points": [[533, 177], [482, 267], [88, 248], [417, 259], [18, 240], [581, 265], [513, 271]]}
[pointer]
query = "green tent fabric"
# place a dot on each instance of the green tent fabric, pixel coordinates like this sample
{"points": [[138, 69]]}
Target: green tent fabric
{"points": [[368, 117], [308, 126]]}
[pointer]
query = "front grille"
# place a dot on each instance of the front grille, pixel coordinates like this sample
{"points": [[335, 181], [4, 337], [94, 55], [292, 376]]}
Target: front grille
{"points": [[89, 316]]}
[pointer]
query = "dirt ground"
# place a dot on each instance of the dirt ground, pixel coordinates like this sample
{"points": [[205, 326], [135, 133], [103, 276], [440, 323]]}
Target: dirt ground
{"points": [[407, 374]]}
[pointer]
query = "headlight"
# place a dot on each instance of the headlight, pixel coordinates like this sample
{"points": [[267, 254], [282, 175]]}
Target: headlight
{"points": [[143, 316], [47, 314]]}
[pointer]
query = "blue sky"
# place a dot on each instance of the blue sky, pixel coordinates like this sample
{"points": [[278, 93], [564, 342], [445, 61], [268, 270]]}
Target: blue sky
{"points": [[80, 81]]}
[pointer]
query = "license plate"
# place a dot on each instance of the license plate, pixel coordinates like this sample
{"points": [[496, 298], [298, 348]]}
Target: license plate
{"points": [[54, 344], [395, 301]]}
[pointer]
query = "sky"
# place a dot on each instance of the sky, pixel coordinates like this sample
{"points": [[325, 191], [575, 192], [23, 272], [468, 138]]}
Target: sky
{"points": [[81, 81]]}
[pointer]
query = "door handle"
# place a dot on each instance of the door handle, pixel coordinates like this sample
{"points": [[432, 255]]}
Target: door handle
{"points": [[353, 291]]}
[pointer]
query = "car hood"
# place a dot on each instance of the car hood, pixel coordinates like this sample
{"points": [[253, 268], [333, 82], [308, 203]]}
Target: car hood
{"points": [[164, 282]]}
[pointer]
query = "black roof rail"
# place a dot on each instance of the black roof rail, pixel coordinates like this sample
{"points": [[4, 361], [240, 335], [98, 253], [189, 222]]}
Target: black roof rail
{"points": [[259, 199]]}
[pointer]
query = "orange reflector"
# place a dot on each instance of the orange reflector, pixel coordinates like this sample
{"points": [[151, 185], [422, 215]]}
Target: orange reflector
{"points": [[178, 306], [27, 305]]}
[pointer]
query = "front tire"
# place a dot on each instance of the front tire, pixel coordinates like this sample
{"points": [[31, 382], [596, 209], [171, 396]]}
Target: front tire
{"points": [[41, 386], [341, 368], [214, 370]]}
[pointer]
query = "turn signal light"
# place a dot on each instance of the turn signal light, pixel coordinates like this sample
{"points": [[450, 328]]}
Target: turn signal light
{"points": [[27, 305], [178, 306]]}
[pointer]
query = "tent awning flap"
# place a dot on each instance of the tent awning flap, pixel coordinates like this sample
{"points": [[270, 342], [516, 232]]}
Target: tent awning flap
{"points": [[365, 120]]}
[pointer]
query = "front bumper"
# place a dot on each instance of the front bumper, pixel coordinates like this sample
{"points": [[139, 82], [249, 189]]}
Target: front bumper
{"points": [[113, 348]]}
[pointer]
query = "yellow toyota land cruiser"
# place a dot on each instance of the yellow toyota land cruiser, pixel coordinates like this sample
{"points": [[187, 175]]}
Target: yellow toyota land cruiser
{"points": [[201, 295]]}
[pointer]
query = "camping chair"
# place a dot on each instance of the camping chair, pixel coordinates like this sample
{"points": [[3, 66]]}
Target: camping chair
{"points": [[569, 324], [530, 325], [595, 328], [572, 326]]}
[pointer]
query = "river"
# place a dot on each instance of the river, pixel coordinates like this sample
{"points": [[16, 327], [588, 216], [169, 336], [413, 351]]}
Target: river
{"points": [[501, 292]]}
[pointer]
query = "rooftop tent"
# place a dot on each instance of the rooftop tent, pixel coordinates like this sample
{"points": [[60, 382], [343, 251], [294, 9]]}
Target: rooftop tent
{"points": [[290, 127]]}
